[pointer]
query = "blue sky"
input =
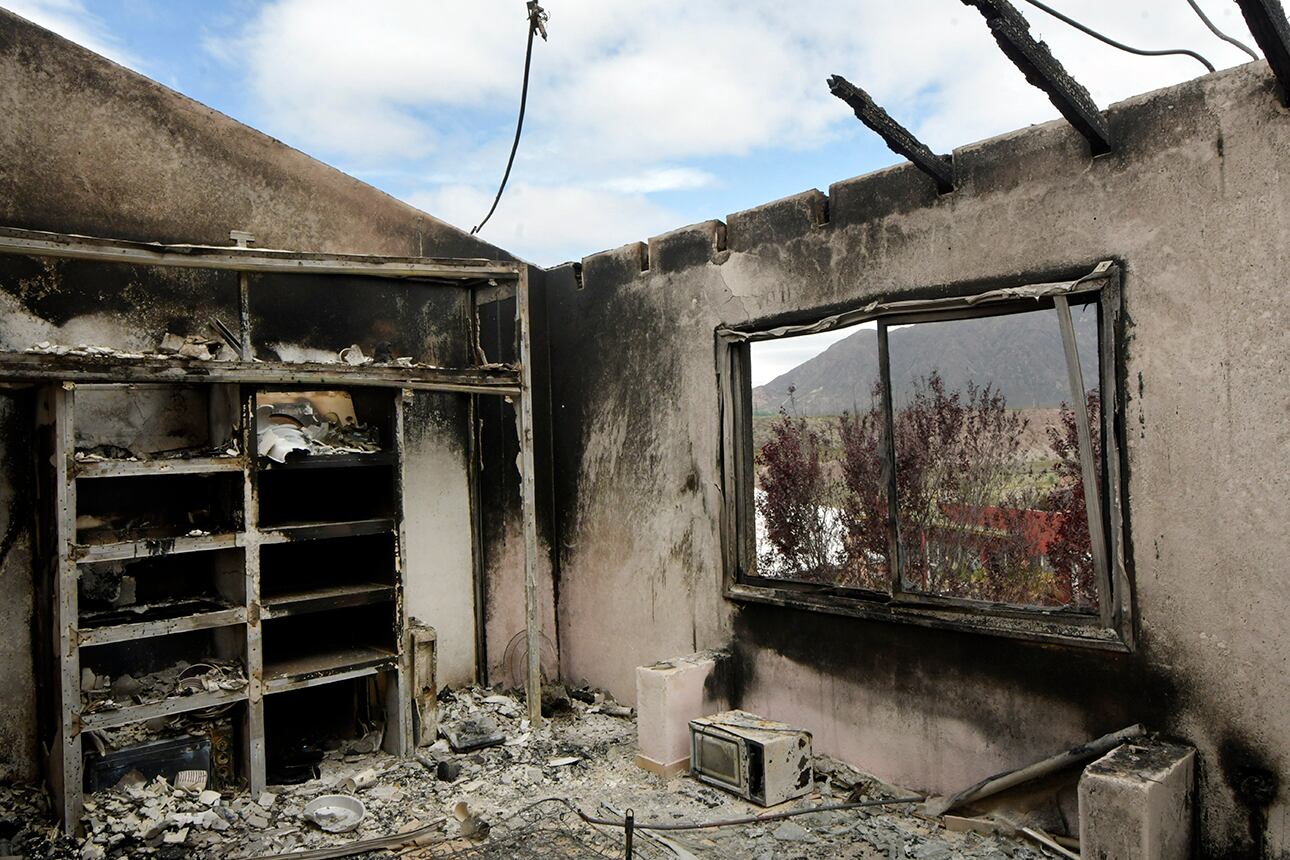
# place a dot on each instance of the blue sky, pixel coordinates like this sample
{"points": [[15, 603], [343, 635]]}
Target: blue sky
{"points": [[644, 115]]}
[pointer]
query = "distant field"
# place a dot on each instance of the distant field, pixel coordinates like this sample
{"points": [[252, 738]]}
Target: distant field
{"points": [[1035, 448]]}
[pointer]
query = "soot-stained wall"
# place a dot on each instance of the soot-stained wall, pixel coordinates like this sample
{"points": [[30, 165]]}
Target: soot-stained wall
{"points": [[88, 147], [1193, 204]]}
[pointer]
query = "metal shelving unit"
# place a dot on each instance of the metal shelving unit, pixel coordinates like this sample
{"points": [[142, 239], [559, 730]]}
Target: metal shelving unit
{"points": [[240, 625]]}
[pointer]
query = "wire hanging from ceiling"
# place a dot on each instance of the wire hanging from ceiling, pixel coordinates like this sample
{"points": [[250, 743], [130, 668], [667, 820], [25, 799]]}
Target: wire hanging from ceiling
{"points": [[1142, 52], [537, 25], [1219, 33]]}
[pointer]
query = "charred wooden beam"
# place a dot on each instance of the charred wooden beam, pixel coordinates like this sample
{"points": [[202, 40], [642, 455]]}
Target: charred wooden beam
{"points": [[1267, 22], [1042, 70], [896, 136]]}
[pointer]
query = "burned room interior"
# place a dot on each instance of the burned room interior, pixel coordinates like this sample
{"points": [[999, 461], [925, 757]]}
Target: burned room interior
{"points": [[330, 529]]}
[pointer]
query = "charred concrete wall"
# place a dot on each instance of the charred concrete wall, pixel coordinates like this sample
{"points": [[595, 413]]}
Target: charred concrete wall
{"points": [[89, 147], [1193, 204]]}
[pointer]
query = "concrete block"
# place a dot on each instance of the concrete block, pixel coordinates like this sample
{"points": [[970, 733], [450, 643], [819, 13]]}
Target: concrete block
{"points": [[1135, 803], [776, 222], [615, 267], [423, 646], [668, 695], [681, 249]]}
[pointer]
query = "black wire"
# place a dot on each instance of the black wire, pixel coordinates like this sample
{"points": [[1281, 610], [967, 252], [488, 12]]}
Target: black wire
{"points": [[535, 22], [1219, 33], [1114, 44]]}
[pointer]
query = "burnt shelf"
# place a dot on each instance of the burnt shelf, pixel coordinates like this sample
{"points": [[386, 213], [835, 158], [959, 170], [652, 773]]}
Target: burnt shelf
{"points": [[174, 466], [287, 532], [105, 635], [296, 672], [309, 601], [155, 547], [165, 708], [329, 461]]}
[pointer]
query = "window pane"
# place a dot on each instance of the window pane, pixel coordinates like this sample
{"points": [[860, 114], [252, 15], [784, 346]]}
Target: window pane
{"points": [[820, 501], [989, 483]]}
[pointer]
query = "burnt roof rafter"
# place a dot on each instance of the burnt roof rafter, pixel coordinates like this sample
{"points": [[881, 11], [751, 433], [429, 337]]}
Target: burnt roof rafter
{"points": [[1043, 70], [896, 136], [1267, 22]]}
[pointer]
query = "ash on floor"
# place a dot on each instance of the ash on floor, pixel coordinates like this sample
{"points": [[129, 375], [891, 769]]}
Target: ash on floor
{"points": [[515, 799]]}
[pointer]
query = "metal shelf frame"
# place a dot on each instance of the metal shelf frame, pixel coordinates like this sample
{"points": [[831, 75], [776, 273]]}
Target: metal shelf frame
{"points": [[58, 376]]}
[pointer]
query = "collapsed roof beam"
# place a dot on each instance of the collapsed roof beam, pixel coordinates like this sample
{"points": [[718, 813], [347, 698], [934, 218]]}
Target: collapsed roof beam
{"points": [[896, 136], [1267, 22], [1043, 70]]}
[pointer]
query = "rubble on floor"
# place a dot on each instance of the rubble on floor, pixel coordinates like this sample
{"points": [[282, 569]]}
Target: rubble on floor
{"points": [[28, 828], [516, 799]]}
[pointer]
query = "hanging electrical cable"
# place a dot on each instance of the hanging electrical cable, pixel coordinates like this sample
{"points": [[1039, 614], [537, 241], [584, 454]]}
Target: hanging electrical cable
{"points": [[537, 25], [1142, 52], [1219, 33]]}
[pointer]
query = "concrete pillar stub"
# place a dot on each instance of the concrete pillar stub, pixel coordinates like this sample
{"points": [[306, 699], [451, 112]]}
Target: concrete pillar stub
{"points": [[1135, 803], [669, 694]]}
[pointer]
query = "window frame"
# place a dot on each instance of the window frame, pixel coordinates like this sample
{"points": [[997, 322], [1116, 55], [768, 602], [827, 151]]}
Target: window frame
{"points": [[1110, 627]]}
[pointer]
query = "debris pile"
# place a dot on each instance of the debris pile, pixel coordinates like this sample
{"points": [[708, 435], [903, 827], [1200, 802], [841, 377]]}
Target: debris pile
{"points": [[354, 356], [103, 693], [27, 827], [515, 798], [315, 423], [117, 453], [192, 346], [219, 345]]}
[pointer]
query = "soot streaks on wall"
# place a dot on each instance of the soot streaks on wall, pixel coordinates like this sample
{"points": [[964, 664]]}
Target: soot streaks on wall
{"points": [[637, 451]]}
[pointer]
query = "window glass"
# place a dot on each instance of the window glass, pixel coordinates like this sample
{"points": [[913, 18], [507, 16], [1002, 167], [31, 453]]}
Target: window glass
{"points": [[989, 486], [820, 497]]}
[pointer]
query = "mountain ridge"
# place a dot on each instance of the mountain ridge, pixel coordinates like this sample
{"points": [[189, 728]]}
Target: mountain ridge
{"points": [[1020, 354]]}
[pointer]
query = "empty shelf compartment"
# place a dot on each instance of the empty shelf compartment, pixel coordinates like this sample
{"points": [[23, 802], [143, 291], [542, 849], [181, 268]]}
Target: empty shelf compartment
{"points": [[301, 649], [162, 587], [334, 565], [291, 497], [157, 507]]}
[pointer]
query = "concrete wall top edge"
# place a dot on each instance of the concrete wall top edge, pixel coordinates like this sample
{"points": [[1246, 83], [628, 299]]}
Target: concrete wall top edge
{"points": [[994, 164], [93, 112]]}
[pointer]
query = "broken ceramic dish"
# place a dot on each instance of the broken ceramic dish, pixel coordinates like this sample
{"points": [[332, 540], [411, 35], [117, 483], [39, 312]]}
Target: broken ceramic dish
{"points": [[335, 813]]}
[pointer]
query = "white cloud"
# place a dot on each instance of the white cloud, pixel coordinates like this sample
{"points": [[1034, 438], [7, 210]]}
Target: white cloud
{"points": [[661, 179], [71, 20], [549, 224], [626, 93], [773, 358], [655, 80]]}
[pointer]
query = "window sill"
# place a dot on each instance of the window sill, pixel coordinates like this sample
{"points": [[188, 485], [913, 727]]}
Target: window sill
{"points": [[1034, 628]]}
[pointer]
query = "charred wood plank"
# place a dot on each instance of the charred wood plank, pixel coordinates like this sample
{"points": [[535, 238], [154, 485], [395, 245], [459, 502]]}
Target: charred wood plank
{"points": [[898, 138], [1043, 70], [1267, 22]]}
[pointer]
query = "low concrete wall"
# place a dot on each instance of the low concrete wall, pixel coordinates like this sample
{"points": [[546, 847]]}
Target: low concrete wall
{"points": [[1193, 203]]}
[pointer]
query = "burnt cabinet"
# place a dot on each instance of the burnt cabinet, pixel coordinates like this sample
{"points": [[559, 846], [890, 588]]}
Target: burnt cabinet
{"points": [[188, 576]]}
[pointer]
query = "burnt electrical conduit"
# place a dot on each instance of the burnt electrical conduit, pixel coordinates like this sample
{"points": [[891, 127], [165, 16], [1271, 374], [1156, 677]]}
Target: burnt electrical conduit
{"points": [[726, 822]]}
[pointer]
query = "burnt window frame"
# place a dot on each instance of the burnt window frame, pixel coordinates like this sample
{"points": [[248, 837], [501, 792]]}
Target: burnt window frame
{"points": [[1110, 627]]}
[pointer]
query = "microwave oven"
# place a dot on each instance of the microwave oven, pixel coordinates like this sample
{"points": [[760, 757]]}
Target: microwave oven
{"points": [[760, 760]]}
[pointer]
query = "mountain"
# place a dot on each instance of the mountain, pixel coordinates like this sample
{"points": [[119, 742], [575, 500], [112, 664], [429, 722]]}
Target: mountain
{"points": [[1021, 354]]}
